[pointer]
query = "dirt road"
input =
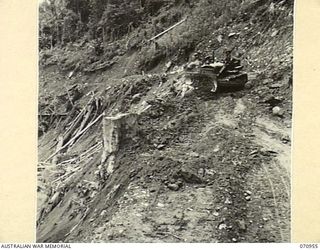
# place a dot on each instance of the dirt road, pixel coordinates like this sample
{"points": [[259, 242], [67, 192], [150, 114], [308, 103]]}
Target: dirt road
{"points": [[242, 160]]}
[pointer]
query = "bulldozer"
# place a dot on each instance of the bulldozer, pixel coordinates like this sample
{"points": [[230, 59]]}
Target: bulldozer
{"points": [[216, 76]]}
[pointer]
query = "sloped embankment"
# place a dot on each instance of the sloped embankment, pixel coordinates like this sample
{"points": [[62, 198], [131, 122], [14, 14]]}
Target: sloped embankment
{"points": [[127, 159]]}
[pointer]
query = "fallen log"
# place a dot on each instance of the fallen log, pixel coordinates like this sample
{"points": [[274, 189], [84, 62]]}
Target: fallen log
{"points": [[68, 161], [76, 120], [75, 137], [66, 175], [167, 30], [59, 145], [91, 151], [85, 119], [89, 155]]}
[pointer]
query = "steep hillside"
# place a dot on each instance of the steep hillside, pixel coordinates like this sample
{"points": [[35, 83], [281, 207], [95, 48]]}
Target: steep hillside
{"points": [[126, 154]]}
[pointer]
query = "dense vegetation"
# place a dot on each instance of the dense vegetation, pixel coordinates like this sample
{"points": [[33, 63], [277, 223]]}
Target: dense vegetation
{"points": [[63, 21]]}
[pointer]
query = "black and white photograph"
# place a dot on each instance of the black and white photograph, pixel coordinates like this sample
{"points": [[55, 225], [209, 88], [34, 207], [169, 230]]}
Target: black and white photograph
{"points": [[164, 121]]}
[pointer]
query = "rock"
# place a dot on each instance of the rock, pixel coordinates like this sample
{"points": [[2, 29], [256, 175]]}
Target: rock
{"points": [[228, 201], [242, 224], [277, 111], [161, 146], [248, 192], [222, 226], [234, 240], [216, 214], [274, 33], [153, 189], [248, 198], [100, 230], [160, 205], [168, 64], [216, 149], [173, 186], [110, 236], [266, 81], [188, 176], [70, 74], [285, 139], [194, 154], [273, 101], [275, 86], [161, 157], [201, 172], [103, 213]]}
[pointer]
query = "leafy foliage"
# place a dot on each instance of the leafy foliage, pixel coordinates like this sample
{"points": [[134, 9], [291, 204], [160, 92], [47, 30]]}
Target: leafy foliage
{"points": [[63, 21]]}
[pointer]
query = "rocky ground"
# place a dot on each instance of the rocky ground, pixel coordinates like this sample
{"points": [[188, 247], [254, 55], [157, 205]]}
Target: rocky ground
{"points": [[199, 168]]}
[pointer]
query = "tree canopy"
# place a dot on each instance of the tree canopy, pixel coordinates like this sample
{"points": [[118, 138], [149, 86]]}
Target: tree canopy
{"points": [[63, 21]]}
